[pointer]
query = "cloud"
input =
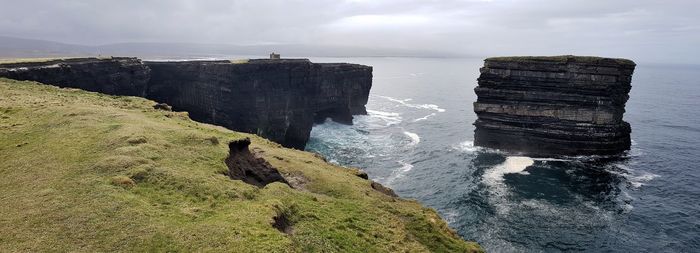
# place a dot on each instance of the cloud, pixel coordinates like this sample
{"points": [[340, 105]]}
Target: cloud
{"points": [[640, 29]]}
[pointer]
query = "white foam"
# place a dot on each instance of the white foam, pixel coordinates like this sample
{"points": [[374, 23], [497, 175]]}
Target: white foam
{"points": [[451, 216], [467, 146], [399, 172], [383, 114], [424, 118], [512, 165], [635, 178], [415, 139], [391, 118], [641, 179], [404, 102], [551, 160]]}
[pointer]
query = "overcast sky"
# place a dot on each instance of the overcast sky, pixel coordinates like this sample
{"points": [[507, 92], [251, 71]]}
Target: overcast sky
{"points": [[644, 30]]}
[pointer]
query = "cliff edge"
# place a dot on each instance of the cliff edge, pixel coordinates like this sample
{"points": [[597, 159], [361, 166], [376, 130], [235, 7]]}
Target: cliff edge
{"points": [[560, 105]]}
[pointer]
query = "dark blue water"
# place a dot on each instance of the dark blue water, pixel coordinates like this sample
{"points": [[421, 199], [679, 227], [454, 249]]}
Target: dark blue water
{"points": [[418, 136]]}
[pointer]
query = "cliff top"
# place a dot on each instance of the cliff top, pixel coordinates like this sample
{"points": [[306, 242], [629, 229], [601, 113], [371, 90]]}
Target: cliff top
{"points": [[594, 60], [13, 63], [84, 171], [31, 62]]}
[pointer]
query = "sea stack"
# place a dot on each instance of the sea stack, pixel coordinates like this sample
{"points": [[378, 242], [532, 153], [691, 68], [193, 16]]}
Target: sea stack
{"points": [[551, 106]]}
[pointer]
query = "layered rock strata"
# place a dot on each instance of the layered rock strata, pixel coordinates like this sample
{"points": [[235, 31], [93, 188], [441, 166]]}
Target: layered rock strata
{"points": [[561, 105], [277, 99]]}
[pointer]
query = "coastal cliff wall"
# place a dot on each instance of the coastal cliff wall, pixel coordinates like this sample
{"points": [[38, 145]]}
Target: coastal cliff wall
{"points": [[561, 105], [277, 99]]}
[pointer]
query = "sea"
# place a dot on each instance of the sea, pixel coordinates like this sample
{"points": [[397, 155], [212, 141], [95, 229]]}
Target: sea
{"points": [[418, 139]]}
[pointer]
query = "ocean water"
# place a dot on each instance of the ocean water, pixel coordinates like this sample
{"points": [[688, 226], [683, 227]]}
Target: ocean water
{"points": [[418, 136]]}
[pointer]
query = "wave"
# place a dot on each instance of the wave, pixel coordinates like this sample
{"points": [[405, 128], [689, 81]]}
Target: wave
{"points": [[424, 118], [635, 178], [391, 118], [640, 180], [399, 172], [468, 146], [551, 160], [512, 165], [404, 102], [415, 139]]}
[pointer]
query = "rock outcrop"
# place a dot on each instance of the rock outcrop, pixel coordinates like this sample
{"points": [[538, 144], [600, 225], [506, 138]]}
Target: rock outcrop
{"points": [[561, 105], [277, 99]]}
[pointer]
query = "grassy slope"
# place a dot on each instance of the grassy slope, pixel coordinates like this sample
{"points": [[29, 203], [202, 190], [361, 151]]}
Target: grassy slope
{"points": [[23, 60], [68, 159]]}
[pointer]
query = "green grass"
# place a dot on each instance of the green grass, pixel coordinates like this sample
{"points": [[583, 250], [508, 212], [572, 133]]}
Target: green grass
{"points": [[28, 60], [239, 61], [87, 172], [561, 58], [46, 59]]}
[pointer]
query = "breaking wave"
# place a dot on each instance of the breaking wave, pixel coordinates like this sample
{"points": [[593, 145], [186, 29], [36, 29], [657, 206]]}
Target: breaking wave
{"points": [[424, 118], [391, 118], [415, 139], [404, 102], [512, 164], [399, 172]]}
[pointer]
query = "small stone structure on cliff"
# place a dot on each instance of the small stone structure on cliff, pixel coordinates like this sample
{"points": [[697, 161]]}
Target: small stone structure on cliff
{"points": [[559, 105], [279, 99]]}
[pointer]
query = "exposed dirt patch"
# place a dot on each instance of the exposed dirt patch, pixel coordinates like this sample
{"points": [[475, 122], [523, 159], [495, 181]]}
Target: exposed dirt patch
{"points": [[284, 219], [244, 165]]}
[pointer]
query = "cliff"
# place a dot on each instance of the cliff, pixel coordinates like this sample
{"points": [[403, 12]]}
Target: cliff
{"points": [[276, 99], [561, 105], [87, 172]]}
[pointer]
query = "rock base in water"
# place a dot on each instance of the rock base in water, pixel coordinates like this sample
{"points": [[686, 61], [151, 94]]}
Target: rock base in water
{"points": [[561, 105]]}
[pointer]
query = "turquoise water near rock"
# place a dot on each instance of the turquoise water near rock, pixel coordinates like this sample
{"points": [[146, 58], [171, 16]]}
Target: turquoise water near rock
{"points": [[418, 136]]}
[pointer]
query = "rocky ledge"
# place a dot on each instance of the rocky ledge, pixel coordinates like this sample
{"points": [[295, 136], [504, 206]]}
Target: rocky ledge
{"points": [[560, 105], [277, 99]]}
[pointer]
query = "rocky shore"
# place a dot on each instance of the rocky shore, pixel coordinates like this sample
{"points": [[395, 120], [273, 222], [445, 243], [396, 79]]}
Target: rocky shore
{"points": [[561, 105], [277, 99]]}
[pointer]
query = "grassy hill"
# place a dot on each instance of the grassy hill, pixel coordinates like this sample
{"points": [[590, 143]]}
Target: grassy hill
{"points": [[88, 172]]}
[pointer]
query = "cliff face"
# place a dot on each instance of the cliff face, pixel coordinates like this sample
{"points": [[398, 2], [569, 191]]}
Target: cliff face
{"points": [[115, 76], [276, 99], [562, 105]]}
